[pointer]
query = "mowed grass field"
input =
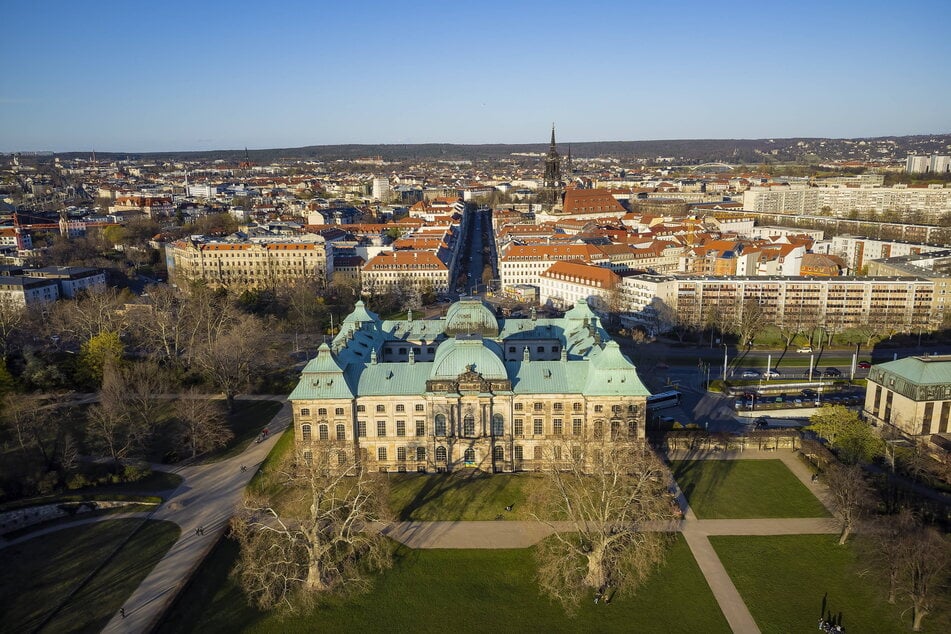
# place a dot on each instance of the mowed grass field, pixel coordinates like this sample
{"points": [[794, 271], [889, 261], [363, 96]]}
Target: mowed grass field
{"points": [[40, 573], [457, 591], [788, 581], [742, 489]]}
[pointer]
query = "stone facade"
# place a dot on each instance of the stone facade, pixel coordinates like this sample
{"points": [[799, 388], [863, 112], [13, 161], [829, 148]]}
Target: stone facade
{"points": [[466, 390]]}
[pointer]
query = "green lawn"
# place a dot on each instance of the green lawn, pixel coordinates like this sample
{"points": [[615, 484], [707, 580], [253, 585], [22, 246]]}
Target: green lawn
{"points": [[788, 580], [40, 573], [462, 496], [738, 489], [457, 591]]}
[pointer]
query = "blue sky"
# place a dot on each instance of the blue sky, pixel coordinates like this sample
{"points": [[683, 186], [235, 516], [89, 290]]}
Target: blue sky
{"points": [[152, 76]]}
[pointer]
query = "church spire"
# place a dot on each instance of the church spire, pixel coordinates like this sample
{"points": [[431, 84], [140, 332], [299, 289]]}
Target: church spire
{"points": [[553, 136], [551, 193]]}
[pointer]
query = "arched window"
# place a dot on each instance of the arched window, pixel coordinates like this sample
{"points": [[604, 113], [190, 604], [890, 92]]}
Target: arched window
{"points": [[469, 456], [305, 411], [498, 425], [498, 453], [322, 432], [632, 427], [468, 425], [598, 428], [321, 411], [401, 454], [341, 457], [305, 433], [421, 453], [440, 425], [615, 429], [341, 432], [440, 454]]}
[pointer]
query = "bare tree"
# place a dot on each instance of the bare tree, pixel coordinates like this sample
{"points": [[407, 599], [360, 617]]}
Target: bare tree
{"points": [[750, 319], [849, 494], [201, 425], [113, 427], [235, 355], [325, 538], [925, 566], [612, 492]]}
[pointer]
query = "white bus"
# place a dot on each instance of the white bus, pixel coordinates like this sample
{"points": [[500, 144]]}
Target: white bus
{"points": [[662, 400]]}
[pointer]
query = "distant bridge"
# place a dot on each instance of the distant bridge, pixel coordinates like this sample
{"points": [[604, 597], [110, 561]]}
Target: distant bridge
{"points": [[724, 166]]}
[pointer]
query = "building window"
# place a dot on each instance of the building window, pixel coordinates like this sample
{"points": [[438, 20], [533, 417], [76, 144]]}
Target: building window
{"points": [[615, 429], [440, 425], [420, 428], [518, 427], [305, 411], [557, 451], [598, 428], [401, 428], [421, 453], [341, 457], [537, 427], [926, 418], [381, 408], [400, 408], [557, 406], [338, 411], [537, 406], [576, 407], [556, 426], [401, 454], [575, 453], [631, 427], [598, 409], [381, 428], [440, 454], [468, 425], [381, 453], [341, 432], [498, 425], [498, 453], [518, 407], [537, 452], [305, 432], [308, 456], [361, 429], [322, 432], [576, 426], [469, 456], [321, 411], [519, 453], [615, 409], [420, 407], [361, 408]]}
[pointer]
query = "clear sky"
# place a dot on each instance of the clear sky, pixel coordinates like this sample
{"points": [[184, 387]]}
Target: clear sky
{"points": [[175, 75]]}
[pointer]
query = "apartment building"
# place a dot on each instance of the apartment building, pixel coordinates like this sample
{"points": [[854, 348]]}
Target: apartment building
{"points": [[858, 251], [423, 270], [246, 264], [523, 264], [564, 284], [925, 204]]}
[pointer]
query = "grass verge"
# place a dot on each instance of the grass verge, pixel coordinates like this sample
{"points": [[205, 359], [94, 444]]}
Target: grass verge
{"points": [[462, 496], [739, 489], [40, 573]]}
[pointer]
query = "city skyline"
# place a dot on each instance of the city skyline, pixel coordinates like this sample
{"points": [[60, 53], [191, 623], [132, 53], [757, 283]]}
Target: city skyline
{"points": [[176, 77]]}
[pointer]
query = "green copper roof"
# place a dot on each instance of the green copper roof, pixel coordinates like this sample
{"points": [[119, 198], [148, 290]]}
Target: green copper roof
{"points": [[361, 314], [322, 378], [610, 372], [455, 356], [471, 316], [934, 370]]}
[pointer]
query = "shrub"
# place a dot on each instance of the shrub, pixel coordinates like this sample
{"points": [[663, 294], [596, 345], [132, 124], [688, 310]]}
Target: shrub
{"points": [[77, 481]]}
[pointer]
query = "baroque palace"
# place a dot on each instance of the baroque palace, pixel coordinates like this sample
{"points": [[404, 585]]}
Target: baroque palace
{"points": [[466, 390]]}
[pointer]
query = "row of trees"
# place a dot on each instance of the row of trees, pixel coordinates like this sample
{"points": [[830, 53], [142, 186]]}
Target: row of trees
{"points": [[912, 556]]}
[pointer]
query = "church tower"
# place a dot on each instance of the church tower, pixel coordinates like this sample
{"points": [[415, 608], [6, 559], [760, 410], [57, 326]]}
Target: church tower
{"points": [[551, 195]]}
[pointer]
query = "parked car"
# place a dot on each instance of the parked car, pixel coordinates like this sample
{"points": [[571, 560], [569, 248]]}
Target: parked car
{"points": [[750, 374], [809, 394], [805, 349], [772, 373], [865, 365], [832, 372], [762, 422]]}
